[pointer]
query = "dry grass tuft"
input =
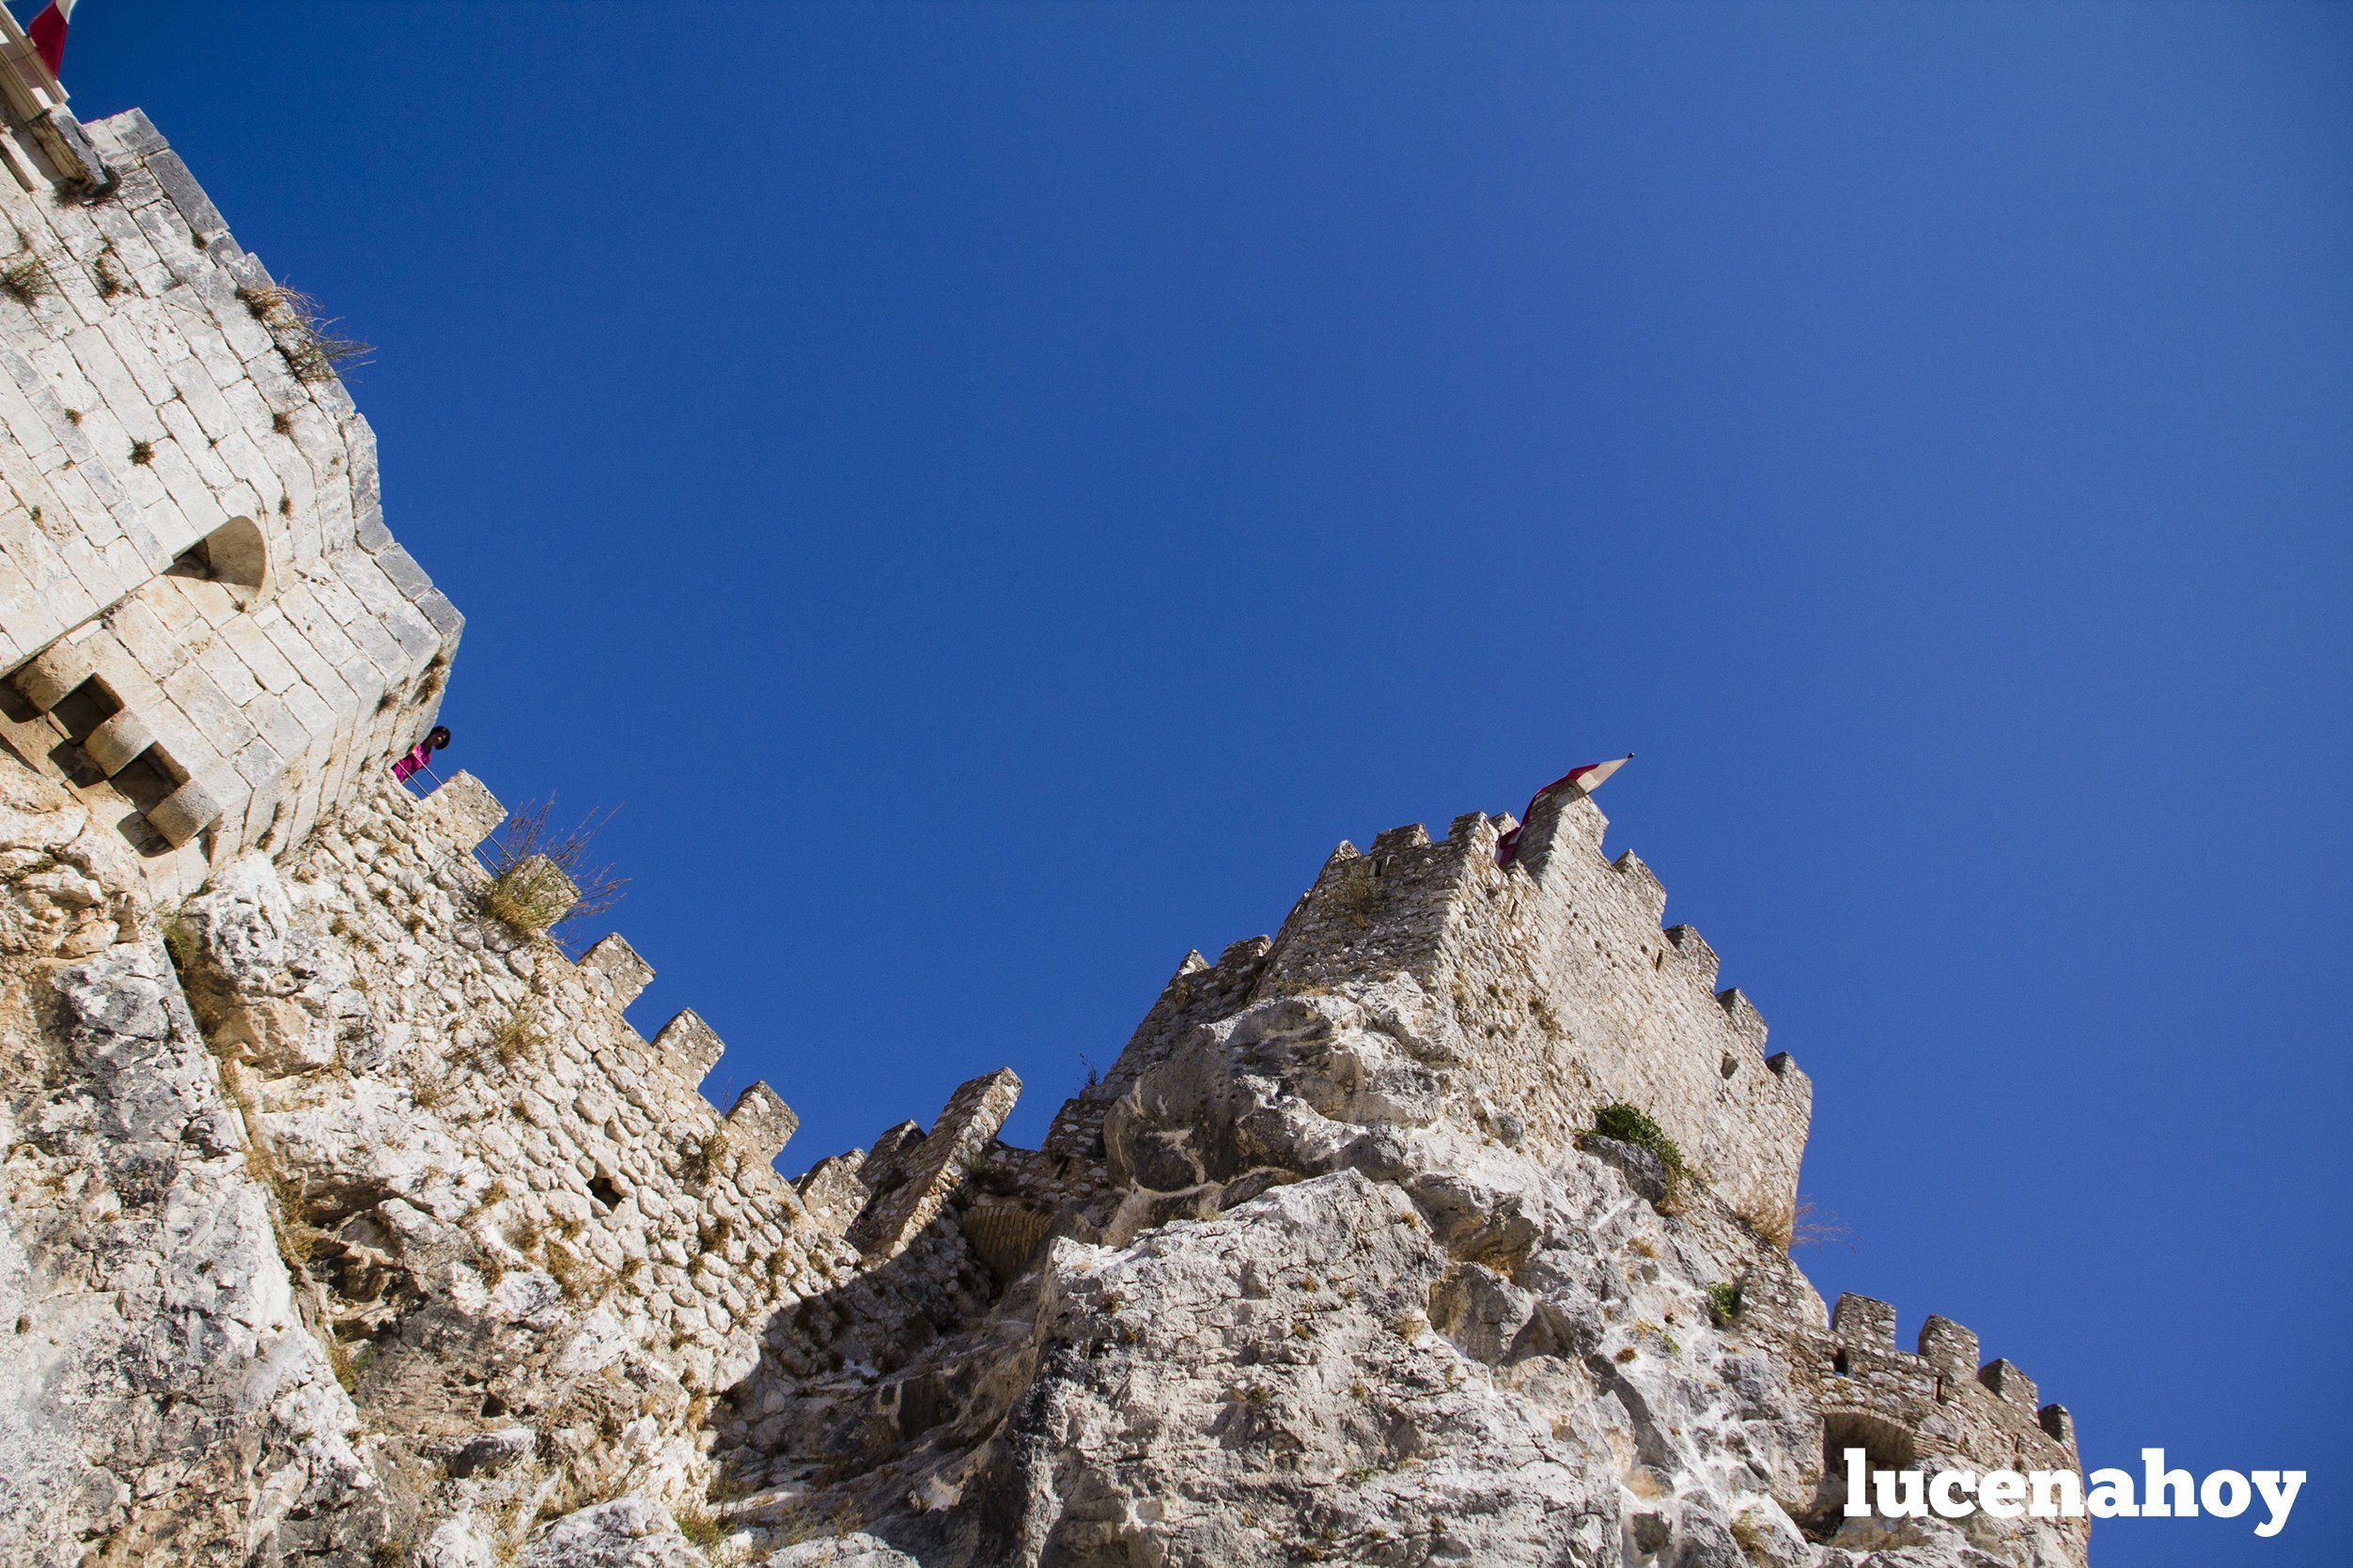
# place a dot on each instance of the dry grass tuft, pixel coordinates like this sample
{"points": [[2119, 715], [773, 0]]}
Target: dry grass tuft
{"points": [[708, 1158], [805, 1521], [700, 1526], [1789, 1226], [1354, 894], [314, 349], [524, 1234], [25, 278], [1814, 1227], [517, 1041], [532, 895], [543, 877], [579, 1276], [1774, 1223]]}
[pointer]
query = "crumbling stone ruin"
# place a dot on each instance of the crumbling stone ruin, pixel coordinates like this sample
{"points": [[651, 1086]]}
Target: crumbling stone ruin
{"points": [[346, 1221]]}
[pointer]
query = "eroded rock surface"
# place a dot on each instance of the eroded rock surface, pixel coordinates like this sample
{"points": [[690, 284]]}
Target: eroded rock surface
{"points": [[165, 1399], [346, 1224], [1319, 1273]]}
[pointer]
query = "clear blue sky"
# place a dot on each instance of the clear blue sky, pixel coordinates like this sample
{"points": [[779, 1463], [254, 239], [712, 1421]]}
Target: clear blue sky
{"points": [[994, 494]]}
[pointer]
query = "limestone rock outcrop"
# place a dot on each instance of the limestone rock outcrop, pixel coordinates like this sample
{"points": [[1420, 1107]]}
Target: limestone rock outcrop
{"points": [[165, 1397]]}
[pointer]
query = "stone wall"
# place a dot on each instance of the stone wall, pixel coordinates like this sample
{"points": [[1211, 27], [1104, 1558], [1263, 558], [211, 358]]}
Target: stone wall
{"points": [[517, 1219], [209, 632], [537, 1073]]}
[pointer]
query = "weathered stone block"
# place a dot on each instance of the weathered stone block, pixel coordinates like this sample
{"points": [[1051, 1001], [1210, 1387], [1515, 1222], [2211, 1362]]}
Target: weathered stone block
{"points": [[1745, 1019], [116, 742], [621, 968], [1696, 955], [1863, 1322], [833, 1191], [48, 675], [2007, 1382], [462, 811], [689, 1047], [275, 1034], [185, 813], [1950, 1348], [1643, 882], [762, 1124]]}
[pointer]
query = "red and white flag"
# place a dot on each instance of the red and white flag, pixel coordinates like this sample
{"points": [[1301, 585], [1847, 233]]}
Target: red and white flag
{"points": [[1585, 780], [48, 33]]}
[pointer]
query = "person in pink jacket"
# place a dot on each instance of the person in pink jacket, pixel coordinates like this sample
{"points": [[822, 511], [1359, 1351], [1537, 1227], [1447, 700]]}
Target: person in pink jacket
{"points": [[415, 756]]}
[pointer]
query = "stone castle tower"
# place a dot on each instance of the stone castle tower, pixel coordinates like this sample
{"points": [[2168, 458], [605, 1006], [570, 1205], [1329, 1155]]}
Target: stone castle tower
{"points": [[212, 638], [346, 1220]]}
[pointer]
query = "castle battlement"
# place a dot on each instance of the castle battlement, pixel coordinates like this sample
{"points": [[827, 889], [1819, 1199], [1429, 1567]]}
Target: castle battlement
{"points": [[1932, 1407], [1558, 960], [601, 1134], [461, 815]]}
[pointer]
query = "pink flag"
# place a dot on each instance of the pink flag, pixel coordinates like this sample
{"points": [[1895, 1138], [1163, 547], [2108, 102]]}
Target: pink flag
{"points": [[1583, 780], [48, 33]]}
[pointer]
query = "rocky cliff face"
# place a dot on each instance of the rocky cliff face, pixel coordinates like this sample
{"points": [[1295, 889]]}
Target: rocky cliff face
{"points": [[346, 1224], [163, 1397]]}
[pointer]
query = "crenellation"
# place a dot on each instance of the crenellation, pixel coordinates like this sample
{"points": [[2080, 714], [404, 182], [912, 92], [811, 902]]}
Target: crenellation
{"points": [[687, 1047], [623, 972], [832, 1192], [890, 1152], [460, 811], [1198, 991], [1947, 1346], [760, 1124], [1238, 963], [936, 1168], [1933, 1407], [1648, 888], [1570, 938], [1746, 1022], [1692, 953], [2008, 1383], [1863, 1322]]}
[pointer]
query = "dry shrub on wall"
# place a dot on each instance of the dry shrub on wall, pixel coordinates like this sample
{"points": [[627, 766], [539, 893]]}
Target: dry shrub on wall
{"points": [[25, 278], [314, 351], [1815, 1227], [546, 878]]}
